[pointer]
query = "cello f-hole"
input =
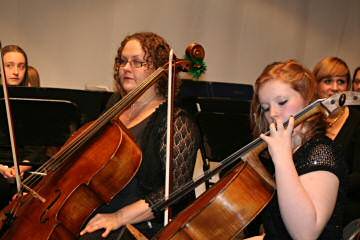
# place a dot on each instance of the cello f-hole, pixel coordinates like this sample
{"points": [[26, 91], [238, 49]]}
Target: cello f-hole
{"points": [[44, 217]]}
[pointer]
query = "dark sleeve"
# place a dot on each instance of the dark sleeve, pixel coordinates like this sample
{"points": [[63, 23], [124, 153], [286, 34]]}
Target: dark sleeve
{"points": [[321, 155], [186, 142], [34, 154], [354, 165]]}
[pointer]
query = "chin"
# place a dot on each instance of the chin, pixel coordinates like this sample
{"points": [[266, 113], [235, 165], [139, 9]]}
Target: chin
{"points": [[14, 83], [129, 86], [128, 89]]}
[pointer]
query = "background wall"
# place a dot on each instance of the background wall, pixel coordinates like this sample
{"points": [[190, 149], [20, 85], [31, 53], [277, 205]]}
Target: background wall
{"points": [[73, 42]]}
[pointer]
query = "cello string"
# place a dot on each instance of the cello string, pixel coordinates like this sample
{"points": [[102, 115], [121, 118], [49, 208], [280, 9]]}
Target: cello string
{"points": [[228, 161], [67, 151]]}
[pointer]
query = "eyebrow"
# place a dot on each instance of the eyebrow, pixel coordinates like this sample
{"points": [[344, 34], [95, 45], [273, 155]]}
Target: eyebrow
{"points": [[132, 56], [14, 62]]}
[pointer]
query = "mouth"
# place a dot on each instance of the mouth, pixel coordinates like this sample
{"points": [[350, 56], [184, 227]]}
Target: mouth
{"points": [[129, 79]]}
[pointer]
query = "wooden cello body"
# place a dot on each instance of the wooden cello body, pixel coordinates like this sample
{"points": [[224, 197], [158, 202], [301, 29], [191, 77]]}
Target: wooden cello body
{"points": [[224, 210], [75, 191]]}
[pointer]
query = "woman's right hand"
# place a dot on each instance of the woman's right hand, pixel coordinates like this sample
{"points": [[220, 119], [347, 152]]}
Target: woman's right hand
{"points": [[6, 171], [108, 221], [11, 172], [280, 141]]}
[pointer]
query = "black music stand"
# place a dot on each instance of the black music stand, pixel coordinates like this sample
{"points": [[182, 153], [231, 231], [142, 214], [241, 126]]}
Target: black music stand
{"points": [[89, 103], [40, 122], [224, 127]]}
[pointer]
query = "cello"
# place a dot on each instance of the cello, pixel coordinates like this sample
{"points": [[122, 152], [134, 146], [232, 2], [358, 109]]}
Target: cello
{"points": [[224, 210], [96, 163]]}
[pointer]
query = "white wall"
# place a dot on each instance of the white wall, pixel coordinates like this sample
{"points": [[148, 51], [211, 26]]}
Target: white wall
{"points": [[73, 42]]}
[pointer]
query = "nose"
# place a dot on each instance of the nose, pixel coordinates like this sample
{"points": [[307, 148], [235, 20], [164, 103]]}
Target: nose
{"points": [[15, 70], [273, 113], [334, 87], [127, 65]]}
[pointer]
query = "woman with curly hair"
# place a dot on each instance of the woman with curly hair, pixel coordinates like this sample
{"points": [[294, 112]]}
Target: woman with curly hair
{"points": [[138, 56]]}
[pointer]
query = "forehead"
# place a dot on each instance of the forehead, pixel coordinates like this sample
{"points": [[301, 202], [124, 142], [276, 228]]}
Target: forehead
{"points": [[15, 57], [132, 48], [274, 89]]}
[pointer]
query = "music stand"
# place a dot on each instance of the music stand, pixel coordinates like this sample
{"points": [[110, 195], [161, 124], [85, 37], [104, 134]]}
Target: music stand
{"points": [[89, 103], [224, 127], [40, 122]]}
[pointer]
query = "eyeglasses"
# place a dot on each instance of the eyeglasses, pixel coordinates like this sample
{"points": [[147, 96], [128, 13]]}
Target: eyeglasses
{"points": [[133, 63]]}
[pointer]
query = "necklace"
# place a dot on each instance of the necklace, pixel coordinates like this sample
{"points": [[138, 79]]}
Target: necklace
{"points": [[138, 111], [134, 109]]}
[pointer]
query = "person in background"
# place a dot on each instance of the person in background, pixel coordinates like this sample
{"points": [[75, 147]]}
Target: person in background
{"points": [[333, 76], [356, 80], [15, 68], [15, 65], [138, 56], [308, 172], [33, 77]]}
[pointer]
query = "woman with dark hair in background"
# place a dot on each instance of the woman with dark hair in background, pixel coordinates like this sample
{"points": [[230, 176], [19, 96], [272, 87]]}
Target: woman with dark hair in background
{"points": [[356, 80], [15, 65], [138, 56], [333, 76], [15, 68]]}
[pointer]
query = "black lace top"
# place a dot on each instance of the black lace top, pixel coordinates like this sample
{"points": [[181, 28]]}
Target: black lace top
{"points": [[148, 184], [153, 143], [317, 154]]}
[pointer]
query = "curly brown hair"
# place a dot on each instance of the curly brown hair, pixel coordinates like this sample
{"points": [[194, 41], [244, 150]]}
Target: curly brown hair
{"points": [[15, 48], [301, 80], [156, 55]]}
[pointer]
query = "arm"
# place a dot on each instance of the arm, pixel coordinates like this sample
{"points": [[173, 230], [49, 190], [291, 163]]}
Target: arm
{"points": [[139, 211], [306, 202], [186, 142]]}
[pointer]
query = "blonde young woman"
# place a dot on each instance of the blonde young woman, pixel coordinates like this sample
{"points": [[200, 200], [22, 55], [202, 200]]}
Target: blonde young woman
{"points": [[333, 76]]}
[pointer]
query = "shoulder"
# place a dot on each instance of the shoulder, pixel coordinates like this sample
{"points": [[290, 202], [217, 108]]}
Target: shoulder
{"points": [[179, 113], [114, 98]]}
